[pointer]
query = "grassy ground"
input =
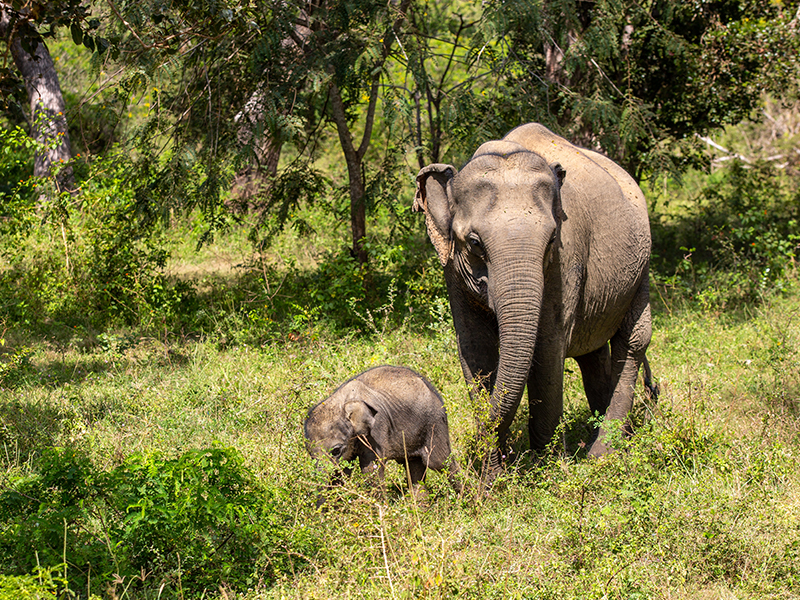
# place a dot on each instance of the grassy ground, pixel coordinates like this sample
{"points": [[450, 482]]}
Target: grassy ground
{"points": [[703, 502]]}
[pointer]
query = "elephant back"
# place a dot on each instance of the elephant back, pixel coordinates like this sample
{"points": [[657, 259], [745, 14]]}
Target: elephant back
{"points": [[581, 165]]}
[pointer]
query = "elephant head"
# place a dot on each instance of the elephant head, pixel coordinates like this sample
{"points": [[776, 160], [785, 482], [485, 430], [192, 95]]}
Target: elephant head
{"points": [[385, 413], [495, 226], [333, 427]]}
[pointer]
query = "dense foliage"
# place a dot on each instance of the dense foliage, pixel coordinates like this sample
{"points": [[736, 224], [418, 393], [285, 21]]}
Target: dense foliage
{"points": [[735, 238], [641, 80]]}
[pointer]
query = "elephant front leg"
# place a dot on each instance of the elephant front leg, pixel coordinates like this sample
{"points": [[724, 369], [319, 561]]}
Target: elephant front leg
{"points": [[545, 396], [478, 350], [628, 347], [476, 335]]}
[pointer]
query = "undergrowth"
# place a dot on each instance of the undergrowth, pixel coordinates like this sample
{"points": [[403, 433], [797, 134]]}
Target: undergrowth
{"points": [[195, 522]]}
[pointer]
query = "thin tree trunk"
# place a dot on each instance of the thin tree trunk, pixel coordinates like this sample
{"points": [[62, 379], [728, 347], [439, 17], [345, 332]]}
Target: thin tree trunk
{"points": [[353, 158], [48, 121]]}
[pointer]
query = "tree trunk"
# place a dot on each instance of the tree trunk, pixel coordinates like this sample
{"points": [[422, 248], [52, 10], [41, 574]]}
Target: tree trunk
{"points": [[354, 159], [48, 121], [255, 177]]}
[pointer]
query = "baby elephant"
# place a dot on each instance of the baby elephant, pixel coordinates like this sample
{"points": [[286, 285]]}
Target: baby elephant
{"points": [[385, 413]]}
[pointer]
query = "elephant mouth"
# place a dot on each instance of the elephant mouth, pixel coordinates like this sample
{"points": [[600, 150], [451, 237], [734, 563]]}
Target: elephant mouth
{"points": [[475, 277]]}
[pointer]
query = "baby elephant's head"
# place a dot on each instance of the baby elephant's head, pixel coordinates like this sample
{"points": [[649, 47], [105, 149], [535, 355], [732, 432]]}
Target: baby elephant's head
{"points": [[332, 428]]}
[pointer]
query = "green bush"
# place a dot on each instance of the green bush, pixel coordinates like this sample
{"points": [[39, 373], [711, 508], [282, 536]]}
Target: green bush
{"points": [[125, 259], [194, 522], [16, 177], [735, 239], [43, 584], [85, 260]]}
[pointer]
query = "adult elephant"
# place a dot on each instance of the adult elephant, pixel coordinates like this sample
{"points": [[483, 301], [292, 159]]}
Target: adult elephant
{"points": [[546, 250]]}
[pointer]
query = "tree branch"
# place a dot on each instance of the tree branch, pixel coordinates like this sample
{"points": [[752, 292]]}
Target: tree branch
{"points": [[388, 39], [124, 22]]}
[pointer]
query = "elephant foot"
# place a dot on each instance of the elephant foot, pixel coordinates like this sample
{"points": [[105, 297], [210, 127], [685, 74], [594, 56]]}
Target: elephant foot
{"points": [[421, 495], [455, 476], [608, 441], [598, 449]]}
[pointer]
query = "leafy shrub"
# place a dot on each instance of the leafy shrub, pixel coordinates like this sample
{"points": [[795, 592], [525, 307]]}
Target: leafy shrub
{"points": [[125, 259], [85, 260], [735, 239], [753, 215], [16, 172], [194, 522], [14, 366], [43, 584]]}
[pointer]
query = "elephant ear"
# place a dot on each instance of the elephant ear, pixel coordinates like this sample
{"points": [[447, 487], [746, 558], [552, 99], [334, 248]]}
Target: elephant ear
{"points": [[361, 416], [560, 174], [434, 191]]}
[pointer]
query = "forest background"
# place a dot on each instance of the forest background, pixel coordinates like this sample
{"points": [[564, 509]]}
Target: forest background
{"points": [[205, 227]]}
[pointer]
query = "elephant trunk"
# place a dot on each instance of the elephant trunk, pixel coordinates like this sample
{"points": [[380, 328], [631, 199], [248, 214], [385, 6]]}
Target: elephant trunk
{"points": [[518, 299]]}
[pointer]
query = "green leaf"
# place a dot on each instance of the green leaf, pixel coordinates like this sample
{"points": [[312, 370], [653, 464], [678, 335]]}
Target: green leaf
{"points": [[77, 34]]}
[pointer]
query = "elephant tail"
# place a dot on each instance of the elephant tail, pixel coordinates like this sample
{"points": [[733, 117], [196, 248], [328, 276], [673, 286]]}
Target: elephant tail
{"points": [[651, 388]]}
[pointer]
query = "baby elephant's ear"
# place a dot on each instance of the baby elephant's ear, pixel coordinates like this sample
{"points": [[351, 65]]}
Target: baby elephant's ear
{"points": [[360, 415]]}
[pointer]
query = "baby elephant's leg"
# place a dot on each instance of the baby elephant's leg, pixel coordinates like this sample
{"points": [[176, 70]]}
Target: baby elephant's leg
{"points": [[368, 461], [416, 470], [416, 473]]}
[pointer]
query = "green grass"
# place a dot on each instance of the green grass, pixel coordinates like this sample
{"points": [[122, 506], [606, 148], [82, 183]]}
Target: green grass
{"points": [[701, 503]]}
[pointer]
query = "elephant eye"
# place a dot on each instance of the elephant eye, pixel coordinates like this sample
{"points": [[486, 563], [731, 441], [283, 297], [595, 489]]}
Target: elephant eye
{"points": [[336, 452], [475, 245]]}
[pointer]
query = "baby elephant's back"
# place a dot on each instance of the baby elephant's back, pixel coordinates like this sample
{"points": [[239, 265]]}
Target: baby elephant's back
{"points": [[416, 411], [405, 390]]}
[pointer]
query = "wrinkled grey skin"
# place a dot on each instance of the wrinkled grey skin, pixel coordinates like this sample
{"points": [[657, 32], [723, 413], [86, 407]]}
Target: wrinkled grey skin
{"points": [[385, 413], [546, 250]]}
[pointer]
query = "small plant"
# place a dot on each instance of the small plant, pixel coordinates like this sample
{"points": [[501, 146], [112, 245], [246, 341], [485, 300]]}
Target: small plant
{"points": [[42, 584], [482, 444], [14, 366], [385, 311]]}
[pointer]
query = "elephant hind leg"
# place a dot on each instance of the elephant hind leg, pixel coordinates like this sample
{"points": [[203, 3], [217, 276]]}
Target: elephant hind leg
{"points": [[596, 373], [628, 347]]}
